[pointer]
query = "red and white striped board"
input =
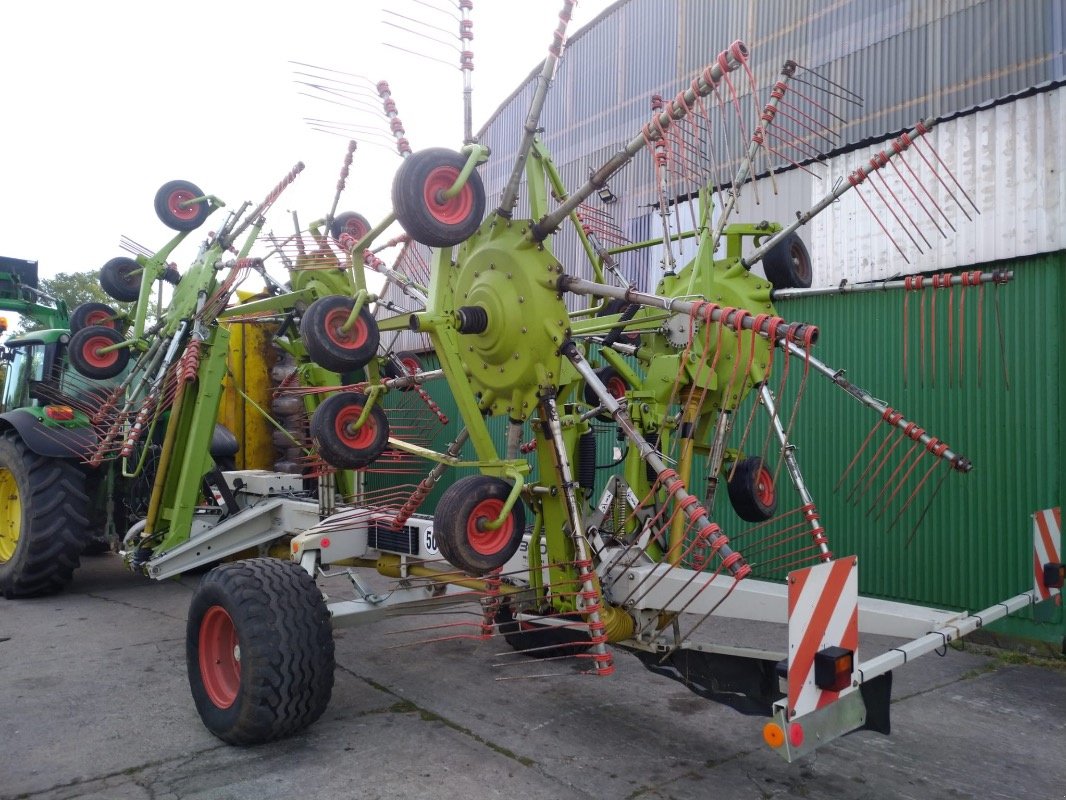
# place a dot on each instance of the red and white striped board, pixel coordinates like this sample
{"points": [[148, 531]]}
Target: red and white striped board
{"points": [[823, 611], [1047, 547]]}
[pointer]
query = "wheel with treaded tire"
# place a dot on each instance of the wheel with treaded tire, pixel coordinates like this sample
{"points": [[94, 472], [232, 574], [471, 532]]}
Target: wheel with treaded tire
{"points": [[339, 442], [259, 651], [351, 223], [86, 356], [44, 519], [751, 490], [411, 363], [617, 386], [328, 344], [459, 520], [88, 314], [788, 264], [121, 279], [417, 198], [174, 210], [541, 640]]}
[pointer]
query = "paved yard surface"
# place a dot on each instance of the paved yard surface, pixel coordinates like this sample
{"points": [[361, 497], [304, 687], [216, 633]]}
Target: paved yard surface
{"points": [[95, 704]]}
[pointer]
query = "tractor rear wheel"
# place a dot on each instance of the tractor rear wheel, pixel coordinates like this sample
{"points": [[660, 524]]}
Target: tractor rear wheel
{"points": [[259, 650], [44, 520], [417, 198], [459, 524]]}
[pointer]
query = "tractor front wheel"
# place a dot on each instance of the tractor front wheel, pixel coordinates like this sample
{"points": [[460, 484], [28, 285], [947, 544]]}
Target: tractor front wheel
{"points": [[259, 650], [460, 524], [44, 520]]}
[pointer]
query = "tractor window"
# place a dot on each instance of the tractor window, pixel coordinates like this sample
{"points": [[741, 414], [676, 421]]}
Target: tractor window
{"points": [[27, 364]]}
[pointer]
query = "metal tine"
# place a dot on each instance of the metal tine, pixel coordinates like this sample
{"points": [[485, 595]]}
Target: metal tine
{"points": [[130, 246]]}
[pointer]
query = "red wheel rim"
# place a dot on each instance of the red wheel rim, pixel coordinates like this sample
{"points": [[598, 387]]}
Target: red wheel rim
{"points": [[90, 351], [175, 207], [344, 426], [354, 337], [764, 487], [801, 263], [99, 318], [449, 212], [355, 228], [411, 365], [616, 387], [220, 657], [487, 542]]}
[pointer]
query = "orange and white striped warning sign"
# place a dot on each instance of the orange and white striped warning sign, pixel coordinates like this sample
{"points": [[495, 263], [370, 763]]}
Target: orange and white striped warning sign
{"points": [[823, 611], [1047, 547]]}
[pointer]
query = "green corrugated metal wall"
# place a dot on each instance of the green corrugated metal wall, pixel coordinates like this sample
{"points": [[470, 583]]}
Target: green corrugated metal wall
{"points": [[973, 547]]}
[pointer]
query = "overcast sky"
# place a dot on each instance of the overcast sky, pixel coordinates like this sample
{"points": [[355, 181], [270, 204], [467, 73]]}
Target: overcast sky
{"points": [[104, 102]]}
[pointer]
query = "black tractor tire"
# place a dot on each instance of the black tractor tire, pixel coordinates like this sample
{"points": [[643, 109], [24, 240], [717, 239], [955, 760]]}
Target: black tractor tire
{"points": [[425, 216], [412, 365], [788, 264], [751, 490], [121, 279], [259, 651], [542, 640], [87, 314], [328, 345], [85, 356], [455, 524], [355, 225], [44, 520], [169, 209], [339, 444]]}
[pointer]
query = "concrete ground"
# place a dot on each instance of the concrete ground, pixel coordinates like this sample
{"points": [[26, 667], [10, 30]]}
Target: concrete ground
{"points": [[96, 704]]}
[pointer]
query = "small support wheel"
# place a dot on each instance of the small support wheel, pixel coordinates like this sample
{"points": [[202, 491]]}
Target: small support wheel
{"points": [[752, 491], [412, 365], [463, 510], [174, 210], [339, 442], [355, 225], [788, 264], [616, 385], [328, 344], [259, 651], [542, 640], [84, 352], [88, 314], [417, 198], [121, 279], [618, 306]]}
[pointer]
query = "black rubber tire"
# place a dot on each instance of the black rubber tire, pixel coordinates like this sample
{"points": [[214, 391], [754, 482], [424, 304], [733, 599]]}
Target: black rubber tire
{"points": [[83, 356], [337, 443], [414, 189], [121, 279], [411, 362], [88, 314], [355, 225], [751, 490], [283, 653], [616, 305], [788, 264], [168, 206], [328, 345], [541, 641], [616, 385], [53, 527], [455, 524]]}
